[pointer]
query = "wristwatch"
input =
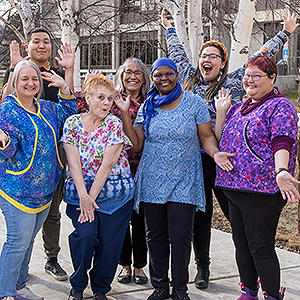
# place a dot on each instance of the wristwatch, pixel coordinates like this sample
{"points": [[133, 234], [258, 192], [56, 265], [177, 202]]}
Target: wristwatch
{"points": [[280, 170]]}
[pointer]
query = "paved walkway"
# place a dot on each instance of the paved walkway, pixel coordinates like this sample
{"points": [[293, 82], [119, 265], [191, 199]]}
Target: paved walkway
{"points": [[224, 276]]}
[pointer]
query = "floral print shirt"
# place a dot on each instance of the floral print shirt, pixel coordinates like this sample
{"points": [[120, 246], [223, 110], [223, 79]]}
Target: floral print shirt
{"points": [[91, 146]]}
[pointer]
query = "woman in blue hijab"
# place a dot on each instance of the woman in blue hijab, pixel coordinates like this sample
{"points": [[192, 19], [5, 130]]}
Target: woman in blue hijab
{"points": [[169, 180]]}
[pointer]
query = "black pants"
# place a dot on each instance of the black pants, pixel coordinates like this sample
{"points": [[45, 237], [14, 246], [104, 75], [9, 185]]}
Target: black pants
{"points": [[254, 219], [135, 242], [202, 222], [51, 227], [169, 224]]}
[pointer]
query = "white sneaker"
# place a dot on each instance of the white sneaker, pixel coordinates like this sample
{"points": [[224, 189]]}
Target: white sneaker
{"points": [[27, 293], [8, 298]]}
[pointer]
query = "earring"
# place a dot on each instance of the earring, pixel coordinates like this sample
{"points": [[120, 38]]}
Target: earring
{"points": [[220, 75]]}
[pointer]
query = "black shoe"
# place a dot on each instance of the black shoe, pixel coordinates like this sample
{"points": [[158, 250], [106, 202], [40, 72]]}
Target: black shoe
{"points": [[56, 271], [75, 296], [140, 279], [99, 296], [180, 295], [202, 277], [123, 278], [160, 294]]}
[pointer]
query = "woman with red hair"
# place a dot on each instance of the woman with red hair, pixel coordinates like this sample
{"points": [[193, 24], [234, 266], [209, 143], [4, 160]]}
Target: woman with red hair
{"points": [[262, 133]]}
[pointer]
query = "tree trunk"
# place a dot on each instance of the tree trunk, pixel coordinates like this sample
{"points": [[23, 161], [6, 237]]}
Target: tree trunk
{"points": [[241, 34], [68, 11], [26, 15], [196, 34], [177, 8]]}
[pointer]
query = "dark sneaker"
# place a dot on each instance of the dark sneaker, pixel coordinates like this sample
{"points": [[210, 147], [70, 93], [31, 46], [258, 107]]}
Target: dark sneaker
{"points": [[180, 295], [202, 277], [160, 294], [99, 296], [56, 271], [75, 296]]}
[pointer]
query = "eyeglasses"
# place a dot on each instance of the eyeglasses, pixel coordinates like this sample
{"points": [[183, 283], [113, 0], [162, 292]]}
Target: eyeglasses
{"points": [[255, 78], [159, 76], [129, 72], [212, 56]]}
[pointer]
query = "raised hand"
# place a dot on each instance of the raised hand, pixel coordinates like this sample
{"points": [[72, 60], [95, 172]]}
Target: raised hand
{"points": [[123, 105], [164, 22], [67, 60], [290, 22], [15, 56], [53, 78], [223, 103], [285, 182], [90, 75]]}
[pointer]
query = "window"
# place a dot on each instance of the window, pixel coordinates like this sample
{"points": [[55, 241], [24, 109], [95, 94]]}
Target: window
{"points": [[142, 45], [101, 55]]}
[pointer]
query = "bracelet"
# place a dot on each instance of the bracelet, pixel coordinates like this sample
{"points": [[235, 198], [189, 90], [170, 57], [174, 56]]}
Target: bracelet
{"points": [[280, 170], [11, 69], [286, 33]]}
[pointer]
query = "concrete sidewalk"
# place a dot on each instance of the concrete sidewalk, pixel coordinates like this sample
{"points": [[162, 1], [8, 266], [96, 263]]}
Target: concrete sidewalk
{"points": [[224, 277]]}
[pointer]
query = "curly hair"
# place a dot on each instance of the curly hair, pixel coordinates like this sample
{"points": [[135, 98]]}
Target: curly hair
{"points": [[98, 81]]}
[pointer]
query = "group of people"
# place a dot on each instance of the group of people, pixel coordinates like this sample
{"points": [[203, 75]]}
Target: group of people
{"points": [[160, 149]]}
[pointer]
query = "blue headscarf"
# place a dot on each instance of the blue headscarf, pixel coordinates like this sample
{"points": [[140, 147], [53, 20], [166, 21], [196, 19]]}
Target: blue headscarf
{"points": [[153, 99]]}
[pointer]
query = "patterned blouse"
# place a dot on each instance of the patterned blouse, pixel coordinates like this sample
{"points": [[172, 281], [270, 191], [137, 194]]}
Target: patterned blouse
{"points": [[118, 188], [30, 166], [249, 137], [170, 169]]}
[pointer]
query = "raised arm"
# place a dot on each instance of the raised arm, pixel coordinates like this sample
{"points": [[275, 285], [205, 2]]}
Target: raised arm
{"points": [[272, 46], [15, 57], [67, 62], [222, 103], [176, 51], [135, 134]]}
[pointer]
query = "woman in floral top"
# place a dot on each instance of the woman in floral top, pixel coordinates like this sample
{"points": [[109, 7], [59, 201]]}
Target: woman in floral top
{"points": [[99, 190]]}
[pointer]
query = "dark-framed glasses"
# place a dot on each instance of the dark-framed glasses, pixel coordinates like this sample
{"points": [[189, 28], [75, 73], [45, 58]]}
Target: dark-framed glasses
{"points": [[129, 72], [255, 78], [212, 56], [158, 76]]}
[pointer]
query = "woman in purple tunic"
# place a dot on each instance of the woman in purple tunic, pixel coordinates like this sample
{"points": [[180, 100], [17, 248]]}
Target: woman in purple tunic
{"points": [[262, 133]]}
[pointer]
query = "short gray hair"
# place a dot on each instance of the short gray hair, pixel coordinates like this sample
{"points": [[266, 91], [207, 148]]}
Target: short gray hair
{"points": [[21, 65], [118, 77]]}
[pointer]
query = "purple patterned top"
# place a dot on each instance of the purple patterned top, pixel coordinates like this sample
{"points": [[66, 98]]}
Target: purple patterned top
{"points": [[250, 137]]}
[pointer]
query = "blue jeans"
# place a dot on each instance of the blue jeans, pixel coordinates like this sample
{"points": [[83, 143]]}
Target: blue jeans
{"points": [[21, 230]]}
